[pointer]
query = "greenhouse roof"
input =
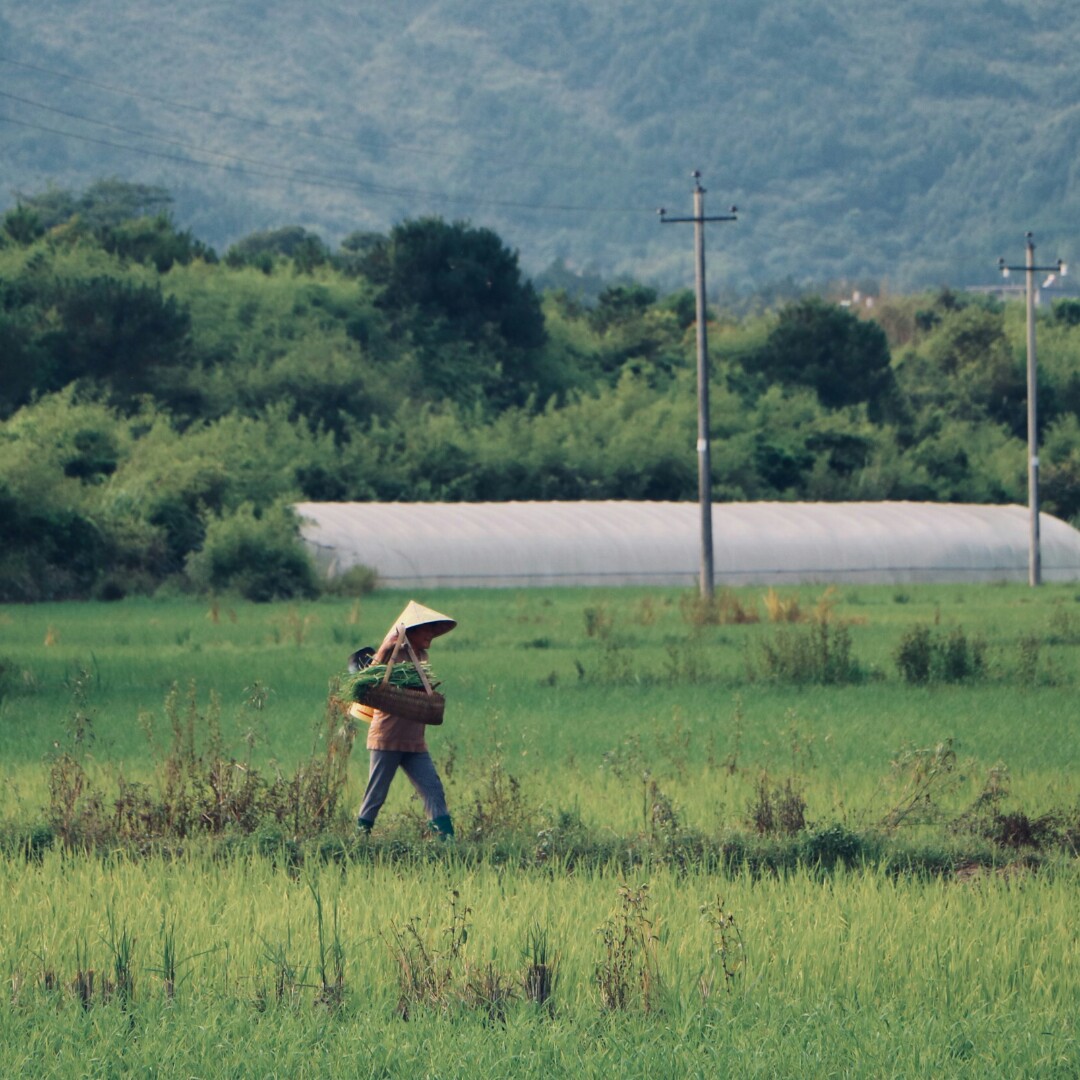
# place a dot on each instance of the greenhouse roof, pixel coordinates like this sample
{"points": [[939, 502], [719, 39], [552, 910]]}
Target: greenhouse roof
{"points": [[659, 543]]}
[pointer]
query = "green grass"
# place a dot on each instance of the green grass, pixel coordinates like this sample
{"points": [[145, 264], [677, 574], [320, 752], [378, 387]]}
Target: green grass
{"points": [[589, 722], [864, 975], [522, 674]]}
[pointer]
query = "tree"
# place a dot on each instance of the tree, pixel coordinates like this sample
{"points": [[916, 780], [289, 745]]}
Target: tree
{"points": [[294, 242], [129, 220], [1066, 312], [354, 250], [964, 368], [819, 345], [462, 275], [617, 303], [104, 203], [636, 333], [154, 241], [22, 225], [23, 365], [458, 291], [115, 331]]}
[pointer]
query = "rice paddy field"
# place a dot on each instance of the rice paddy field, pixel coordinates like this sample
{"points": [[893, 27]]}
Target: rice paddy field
{"points": [[799, 833]]}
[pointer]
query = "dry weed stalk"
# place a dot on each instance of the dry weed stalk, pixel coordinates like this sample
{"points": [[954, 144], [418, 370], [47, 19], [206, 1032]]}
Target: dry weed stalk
{"points": [[629, 970], [783, 609], [727, 949], [425, 973]]}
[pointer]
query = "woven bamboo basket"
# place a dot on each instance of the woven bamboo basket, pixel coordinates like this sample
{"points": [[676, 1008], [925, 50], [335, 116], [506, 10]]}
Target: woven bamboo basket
{"points": [[421, 706]]}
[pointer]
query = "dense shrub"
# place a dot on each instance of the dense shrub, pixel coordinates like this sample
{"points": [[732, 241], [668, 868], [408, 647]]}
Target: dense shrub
{"points": [[256, 555], [834, 845], [927, 656], [816, 653], [49, 552], [9, 677], [356, 581]]}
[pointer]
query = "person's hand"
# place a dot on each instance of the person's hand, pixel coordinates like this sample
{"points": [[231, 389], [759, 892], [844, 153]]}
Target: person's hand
{"points": [[387, 646]]}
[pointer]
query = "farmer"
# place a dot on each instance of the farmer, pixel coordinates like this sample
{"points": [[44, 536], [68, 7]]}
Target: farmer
{"points": [[396, 742]]}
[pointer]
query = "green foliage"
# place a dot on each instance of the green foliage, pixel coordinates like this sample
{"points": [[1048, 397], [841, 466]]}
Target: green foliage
{"points": [[104, 204], [983, 380], [927, 655], [112, 331], [1060, 475], [293, 242], [316, 343], [24, 370], [424, 367], [846, 179], [154, 241], [22, 225], [55, 542], [836, 845], [618, 302], [459, 289], [458, 273], [819, 652], [71, 315], [51, 553], [356, 581], [258, 556], [845, 360], [94, 497]]}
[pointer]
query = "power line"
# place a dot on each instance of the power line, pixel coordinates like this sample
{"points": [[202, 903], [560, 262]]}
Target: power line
{"points": [[148, 153], [157, 138], [220, 114], [284, 172]]}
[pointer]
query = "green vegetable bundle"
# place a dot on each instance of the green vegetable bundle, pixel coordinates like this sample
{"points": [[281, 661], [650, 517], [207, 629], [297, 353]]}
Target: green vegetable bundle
{"points": [[354, 683]]}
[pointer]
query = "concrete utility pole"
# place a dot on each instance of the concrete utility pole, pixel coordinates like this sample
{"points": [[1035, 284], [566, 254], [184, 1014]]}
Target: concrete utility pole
{"points": [[1030, 269], [704, 460]]}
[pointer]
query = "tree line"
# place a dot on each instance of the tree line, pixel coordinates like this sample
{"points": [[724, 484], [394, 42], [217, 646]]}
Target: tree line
{"points": [[162, 407]]}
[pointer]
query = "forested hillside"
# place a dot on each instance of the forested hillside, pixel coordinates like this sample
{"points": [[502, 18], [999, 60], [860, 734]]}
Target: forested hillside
{"points": [[904, 143], [161, 405]]}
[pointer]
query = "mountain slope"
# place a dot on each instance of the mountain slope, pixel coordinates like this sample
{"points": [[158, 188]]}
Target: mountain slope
{"points": [[910, 143]]}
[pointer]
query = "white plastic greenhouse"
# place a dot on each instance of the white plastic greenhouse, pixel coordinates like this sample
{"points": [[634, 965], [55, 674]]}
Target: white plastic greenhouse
{"points": [[657, 543]]}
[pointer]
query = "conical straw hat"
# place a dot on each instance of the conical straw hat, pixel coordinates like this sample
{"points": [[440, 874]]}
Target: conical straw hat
{"points": [[416, 615]]}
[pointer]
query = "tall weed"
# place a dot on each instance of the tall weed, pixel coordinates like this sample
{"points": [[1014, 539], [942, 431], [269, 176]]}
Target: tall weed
{"points": [[628, 972], [199, 786], [723, 608], [818, 652], [927, 655]]}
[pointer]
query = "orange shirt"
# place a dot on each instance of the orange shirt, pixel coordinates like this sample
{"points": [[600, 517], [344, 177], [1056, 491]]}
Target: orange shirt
{"points": [[390, 732]]}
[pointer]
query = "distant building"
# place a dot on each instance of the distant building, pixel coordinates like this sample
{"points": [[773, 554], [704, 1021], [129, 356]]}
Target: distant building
{"points": [[1011, 289]]}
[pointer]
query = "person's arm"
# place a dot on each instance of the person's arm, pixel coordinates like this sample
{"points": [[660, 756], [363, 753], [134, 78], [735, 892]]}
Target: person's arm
{"points": [[382, 654]]}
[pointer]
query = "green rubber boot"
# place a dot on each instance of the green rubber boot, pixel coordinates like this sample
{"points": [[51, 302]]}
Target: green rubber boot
{"points": [[364, 826], [443, 826]]}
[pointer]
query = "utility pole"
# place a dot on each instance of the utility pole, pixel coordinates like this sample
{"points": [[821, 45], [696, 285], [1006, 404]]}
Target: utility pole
{"points": [[704, 460], [1030, 269]]}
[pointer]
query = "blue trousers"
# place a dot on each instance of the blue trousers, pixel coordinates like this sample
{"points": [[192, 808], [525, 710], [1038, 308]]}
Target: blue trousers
{"points": [[418, 767]]}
